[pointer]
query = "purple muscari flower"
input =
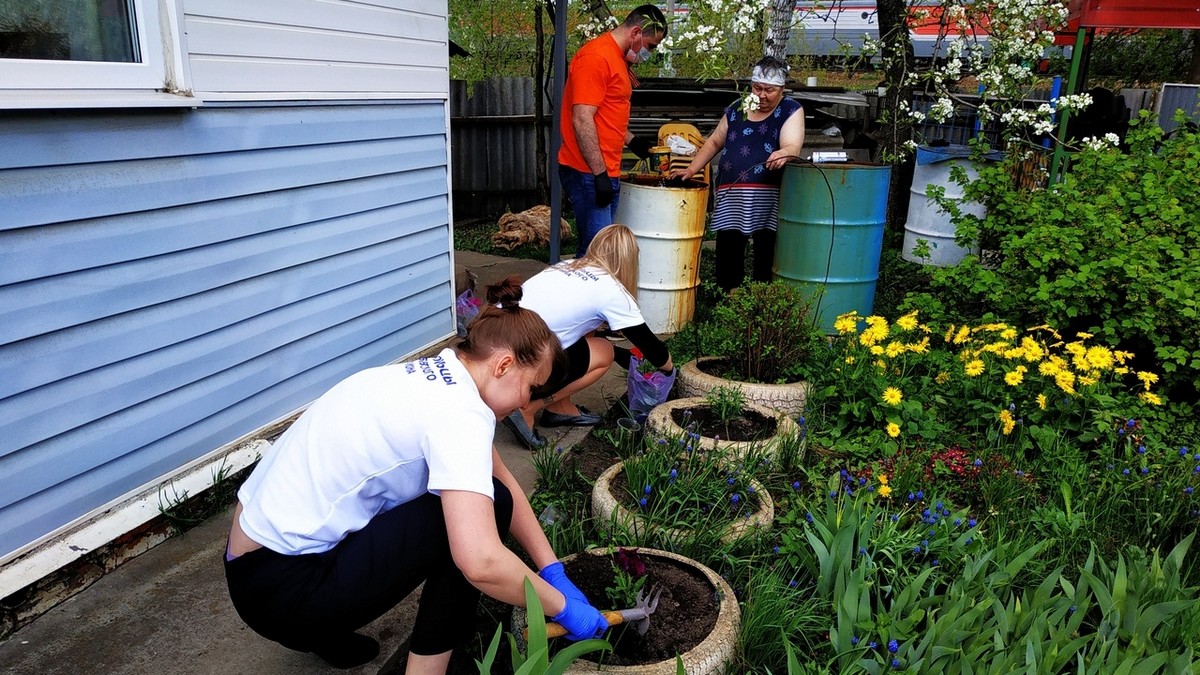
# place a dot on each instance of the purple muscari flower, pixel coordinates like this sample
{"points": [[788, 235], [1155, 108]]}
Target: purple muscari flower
{"points": [[895, 517], [800, 420], [1012, 407], [808, 516], [935, 563], [925, 513], [795, 485], [1196, 457], [853, 640], [647, 490], [862, 550], [750, 489], [971, 522], [1141, 449], [911, 497], [920, 494], [1131, 423], [735, 498], [978, 462], [1145, 470], [1187, 490], [792, 583], [1124, 472], [872, 644], [957, 522], [849, 492], [895, 663], [1183, 451], [1197, 469], [1072, 609], [642, 501], [1019, 473], [917, 550], [1121, 431], [862, 480], [674, 474], [559, 449], [938, 506], [730, 481], [775, 550], [893, 646], [833, 493], [969, 541]]}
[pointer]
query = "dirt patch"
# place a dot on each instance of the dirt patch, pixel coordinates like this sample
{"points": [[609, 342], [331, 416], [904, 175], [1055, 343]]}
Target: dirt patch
{"points": [[748, 426], [687, 609]]}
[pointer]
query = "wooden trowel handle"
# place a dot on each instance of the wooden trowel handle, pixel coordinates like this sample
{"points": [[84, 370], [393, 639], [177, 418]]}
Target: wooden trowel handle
{"points": [[554, 630]]}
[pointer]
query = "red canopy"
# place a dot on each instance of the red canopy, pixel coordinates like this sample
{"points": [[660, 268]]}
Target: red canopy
{"points": [[1133, 14]]}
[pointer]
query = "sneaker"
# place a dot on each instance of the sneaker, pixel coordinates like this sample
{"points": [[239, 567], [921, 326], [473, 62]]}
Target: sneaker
{"points": [[530, 437]]}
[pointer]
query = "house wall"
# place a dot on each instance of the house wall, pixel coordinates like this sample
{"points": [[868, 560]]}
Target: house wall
{"points": [[173, 280]]}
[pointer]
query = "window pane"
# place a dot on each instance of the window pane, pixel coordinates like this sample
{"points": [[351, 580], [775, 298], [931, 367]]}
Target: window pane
{"points": [[68, 30]]}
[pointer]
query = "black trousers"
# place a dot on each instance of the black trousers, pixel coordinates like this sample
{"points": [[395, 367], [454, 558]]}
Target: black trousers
{"points": [[731, 257], [300, 601]]}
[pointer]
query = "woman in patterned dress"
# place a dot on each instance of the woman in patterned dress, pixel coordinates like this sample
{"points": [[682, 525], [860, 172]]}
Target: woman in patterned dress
{"points": [[759, 134]]}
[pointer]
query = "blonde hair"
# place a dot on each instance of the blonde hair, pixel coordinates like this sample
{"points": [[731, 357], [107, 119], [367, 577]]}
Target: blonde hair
{"points": [[615, 250]]}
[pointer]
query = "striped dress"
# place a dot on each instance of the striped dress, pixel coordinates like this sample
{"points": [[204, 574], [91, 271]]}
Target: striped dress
{"points": [[747, 192]]}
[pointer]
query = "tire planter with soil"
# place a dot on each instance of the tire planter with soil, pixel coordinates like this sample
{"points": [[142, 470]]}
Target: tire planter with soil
{"points": [[611, 514], [694, 381], [661, 424], [697, 617]]}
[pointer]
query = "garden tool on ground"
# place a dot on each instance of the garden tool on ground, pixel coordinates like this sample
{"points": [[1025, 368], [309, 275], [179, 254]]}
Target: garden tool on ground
{"points": [[638, 615]]}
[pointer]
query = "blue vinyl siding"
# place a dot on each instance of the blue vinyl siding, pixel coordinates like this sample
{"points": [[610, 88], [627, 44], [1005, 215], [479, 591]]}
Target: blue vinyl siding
{"points": [[171, 281]]}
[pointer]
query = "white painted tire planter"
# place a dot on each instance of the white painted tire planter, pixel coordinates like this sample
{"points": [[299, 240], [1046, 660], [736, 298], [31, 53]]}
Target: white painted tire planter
{"points": [[788, 398], [610, 514], [660, 424], [710, 657]]}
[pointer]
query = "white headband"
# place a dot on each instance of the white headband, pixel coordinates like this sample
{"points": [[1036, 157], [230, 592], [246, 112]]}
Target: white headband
{"points": [[773, 77]]}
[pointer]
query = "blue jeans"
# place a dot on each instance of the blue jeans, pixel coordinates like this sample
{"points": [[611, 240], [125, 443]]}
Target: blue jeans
{"points": [[580, 188]]}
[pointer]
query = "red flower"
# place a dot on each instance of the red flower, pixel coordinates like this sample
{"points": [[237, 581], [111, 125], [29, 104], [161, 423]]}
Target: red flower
{"points": [[627, 560]]}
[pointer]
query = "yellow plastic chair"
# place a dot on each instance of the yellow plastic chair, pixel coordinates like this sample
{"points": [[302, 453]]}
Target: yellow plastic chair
{"points": [[690, 133]]}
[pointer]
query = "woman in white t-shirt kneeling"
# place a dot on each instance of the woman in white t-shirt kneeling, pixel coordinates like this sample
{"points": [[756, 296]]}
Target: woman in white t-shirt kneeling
{"points": [[390, 480], [575, 297]]}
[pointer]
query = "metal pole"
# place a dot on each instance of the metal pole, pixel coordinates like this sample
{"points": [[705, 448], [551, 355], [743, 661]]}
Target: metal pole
{"points": [[558, 61], [1072, 83]]}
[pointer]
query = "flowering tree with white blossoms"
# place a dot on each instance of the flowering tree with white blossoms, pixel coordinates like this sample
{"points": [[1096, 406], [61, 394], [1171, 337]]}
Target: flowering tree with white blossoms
{"points": [[1019, 34]]}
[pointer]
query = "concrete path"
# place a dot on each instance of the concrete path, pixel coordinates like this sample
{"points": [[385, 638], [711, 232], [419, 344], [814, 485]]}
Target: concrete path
{"points": [[167, 611]]}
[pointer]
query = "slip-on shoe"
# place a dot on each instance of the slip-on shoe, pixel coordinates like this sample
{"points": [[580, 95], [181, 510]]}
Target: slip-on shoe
{"points": [[585, 418], [530, 437]]}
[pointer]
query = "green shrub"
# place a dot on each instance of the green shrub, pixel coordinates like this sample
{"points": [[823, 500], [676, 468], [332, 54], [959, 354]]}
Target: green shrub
{"points": [[765, 332], [1113, 250]]}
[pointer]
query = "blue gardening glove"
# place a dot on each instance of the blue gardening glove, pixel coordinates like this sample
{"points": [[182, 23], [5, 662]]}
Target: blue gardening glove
{"points": [[581, 620], [556, 576]]}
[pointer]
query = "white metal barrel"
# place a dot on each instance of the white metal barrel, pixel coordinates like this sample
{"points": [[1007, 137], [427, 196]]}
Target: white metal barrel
{"points": [[668, 223], [926, 220]]}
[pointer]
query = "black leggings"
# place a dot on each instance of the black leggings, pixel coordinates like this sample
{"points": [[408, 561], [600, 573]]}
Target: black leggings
{"points": [[304, 601], [731, 257]]}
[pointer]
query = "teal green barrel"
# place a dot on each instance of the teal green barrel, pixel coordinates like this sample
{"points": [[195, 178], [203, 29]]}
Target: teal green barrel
{"points": [[831, 219]]}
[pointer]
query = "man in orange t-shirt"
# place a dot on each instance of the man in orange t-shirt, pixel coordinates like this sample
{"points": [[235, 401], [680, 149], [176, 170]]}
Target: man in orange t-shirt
{"points": [[595, 118]]}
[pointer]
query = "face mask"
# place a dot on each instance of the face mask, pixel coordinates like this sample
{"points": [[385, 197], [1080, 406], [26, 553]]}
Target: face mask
{"points": [[640, 57]]}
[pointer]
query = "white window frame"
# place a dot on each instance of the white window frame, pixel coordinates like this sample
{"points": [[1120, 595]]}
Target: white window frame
{"points": [[160, 79]]}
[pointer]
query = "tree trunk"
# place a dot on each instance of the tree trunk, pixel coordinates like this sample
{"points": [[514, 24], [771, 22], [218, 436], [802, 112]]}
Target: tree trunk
{"points": [[1194, 71], [780, 28], [898, 54]]}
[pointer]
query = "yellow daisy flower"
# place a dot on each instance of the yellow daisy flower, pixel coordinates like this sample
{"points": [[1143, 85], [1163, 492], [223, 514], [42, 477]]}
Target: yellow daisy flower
{"points": [[883, 479], [885, 491], [893, 429], [1007, 421], [892, 396], [876, 350], [894, 349], [1100, 358], [1150, 397], [1084, 336], [962, 335], [949, 336], [1033, 350], [1147, 378], [919, 347], [846, 323], [1088, 380], [1009, 334], [1041, 401], [850, 359], [1014, 377], [908, 321], [942, 377], [974, 368], [1065, 380]]}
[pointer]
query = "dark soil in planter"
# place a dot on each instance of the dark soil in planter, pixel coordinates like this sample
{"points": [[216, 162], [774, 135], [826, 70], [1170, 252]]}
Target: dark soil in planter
{"points": [[687, 609], [722, 368], [592, 457], [749, 426]]}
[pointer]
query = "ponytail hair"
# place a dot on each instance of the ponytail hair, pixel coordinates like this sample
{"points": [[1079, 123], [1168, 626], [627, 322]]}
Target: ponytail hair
{"points": [[503, 324]]}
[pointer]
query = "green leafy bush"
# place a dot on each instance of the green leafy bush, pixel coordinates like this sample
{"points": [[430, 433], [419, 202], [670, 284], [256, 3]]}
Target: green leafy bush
{"points": [[764, 332], [1114, 250]]}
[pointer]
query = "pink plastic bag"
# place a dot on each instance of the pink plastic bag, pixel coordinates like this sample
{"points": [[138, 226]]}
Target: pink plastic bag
{"points": [[648, 389]]}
